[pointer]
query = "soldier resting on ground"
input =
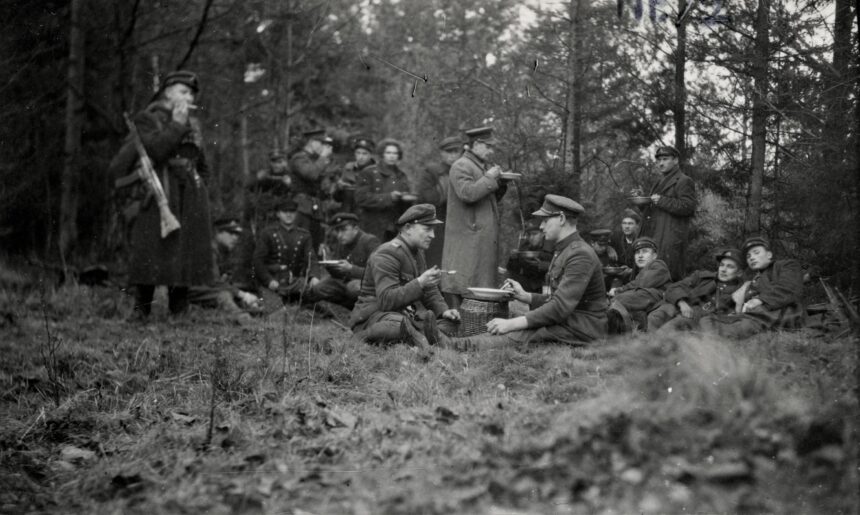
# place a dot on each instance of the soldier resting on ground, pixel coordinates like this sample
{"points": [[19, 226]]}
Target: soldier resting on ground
{"points": [[351, 252], [701, 293], [641, 295], [530, 271], [574, 310], [284, 261], [224, 293], [772, 299], [599, 239], [398, 292]]}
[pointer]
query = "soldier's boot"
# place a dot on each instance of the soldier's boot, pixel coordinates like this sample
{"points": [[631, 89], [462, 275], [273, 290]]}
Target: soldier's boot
{"points": [[410, 334], [619, 319]]}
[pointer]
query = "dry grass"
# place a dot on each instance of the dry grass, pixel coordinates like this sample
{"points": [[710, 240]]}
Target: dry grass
{"points": [[306, 418]]}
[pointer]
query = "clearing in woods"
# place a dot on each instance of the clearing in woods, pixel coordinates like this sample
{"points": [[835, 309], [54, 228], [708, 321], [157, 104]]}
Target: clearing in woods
{"points": [[197, 415]]}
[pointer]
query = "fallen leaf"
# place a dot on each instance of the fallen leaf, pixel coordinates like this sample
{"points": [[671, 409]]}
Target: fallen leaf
{"points": [[340, 418], [71, 453], [445, 415]]}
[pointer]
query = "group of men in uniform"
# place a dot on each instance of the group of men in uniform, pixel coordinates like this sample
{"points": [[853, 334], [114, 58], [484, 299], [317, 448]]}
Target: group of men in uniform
{"points": [[387, 239]]}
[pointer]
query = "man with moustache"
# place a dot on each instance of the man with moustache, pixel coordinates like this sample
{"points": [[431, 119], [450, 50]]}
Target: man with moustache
{"points": [[400, 298]]}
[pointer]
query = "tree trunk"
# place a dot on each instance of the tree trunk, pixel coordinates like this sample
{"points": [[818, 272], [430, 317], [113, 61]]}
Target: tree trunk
{"points": [[572, 143], [74, 122], [759, 116], [679, 109]]}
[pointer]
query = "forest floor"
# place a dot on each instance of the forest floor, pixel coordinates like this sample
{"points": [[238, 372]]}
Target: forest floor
{"points": [[291, 415]]}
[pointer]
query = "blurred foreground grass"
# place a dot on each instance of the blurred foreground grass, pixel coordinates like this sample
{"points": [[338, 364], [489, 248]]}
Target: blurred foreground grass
{"points": [[292, 415]]}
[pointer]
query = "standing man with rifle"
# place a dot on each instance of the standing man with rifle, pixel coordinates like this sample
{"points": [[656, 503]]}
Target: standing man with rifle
{"points": [[161, 253]]}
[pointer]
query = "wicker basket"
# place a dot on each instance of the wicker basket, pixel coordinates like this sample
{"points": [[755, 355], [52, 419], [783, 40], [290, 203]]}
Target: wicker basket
{"points": [[474, 315]]}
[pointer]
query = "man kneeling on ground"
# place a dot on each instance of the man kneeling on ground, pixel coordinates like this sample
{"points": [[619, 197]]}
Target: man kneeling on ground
{"points": [[573, 311], [636, 299], [701, 293], [223, 293], [349, 259], [398, 292], [772, 299]]}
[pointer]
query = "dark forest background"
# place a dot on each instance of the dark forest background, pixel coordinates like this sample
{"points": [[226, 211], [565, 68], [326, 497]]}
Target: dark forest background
{"points": [[761, 97]]}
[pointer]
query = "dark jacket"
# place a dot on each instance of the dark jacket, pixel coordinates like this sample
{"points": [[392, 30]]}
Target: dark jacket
{"points": [[284, 255], [780, 288], [577, 300], [653, 279], [357, 253], [390, 284], [702, 288], [472, 228], [377, 210], [184, 257], [668, 221], [261, 196], [626, 255]]}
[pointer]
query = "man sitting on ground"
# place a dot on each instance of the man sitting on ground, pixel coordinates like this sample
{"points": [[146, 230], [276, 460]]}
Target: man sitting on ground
{"points": [[701, 293], [772, 299], [574, 310], [224, 293], [599, 239], [398, 292], [284, 261], [637, 298], [529, 270], [351, 252]]}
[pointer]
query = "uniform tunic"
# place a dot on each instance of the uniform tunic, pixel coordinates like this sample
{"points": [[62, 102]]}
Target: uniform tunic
{"points": [[432, 188], [703, 291], [344, 288], [284, 255], [574, 312], [624, 248], [377, 210], [307, 172], [645, 291], [390, 290], [780, 288], [339, 197], [472, 227], [184, 257], [668, 221]]}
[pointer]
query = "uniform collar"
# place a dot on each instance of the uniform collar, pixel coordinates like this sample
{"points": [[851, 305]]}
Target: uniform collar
{"points": [[562, 244]]}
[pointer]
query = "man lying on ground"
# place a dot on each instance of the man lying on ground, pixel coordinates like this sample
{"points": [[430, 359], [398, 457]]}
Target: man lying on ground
{"points": [[772, 299], [701, 293], [398, 293], [574, 312], [636, 299]]}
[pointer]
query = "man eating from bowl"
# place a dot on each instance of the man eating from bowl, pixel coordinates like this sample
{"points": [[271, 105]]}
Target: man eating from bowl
{"points": [[574, 309], [400, 298]]}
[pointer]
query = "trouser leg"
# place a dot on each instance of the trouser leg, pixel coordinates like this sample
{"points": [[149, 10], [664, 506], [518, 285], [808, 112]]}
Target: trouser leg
{"points": [[660, 316], [384, 330], [330, 289], [735, 328], [177, 299], [143, 294]]}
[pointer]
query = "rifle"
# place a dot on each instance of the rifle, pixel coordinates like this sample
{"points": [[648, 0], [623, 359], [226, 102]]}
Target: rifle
{"points": [[169, 223]]}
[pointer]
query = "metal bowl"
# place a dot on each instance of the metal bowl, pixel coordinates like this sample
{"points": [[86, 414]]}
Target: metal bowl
{"points": [[639, 201], [613, 270], [493, 294]]}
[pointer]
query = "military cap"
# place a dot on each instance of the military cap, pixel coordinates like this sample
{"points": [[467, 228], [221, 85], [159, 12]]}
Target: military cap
{"points": [[424, 214], [276, 154], [532, 225], [731, 253], [755, 241], [482, 134], [365, 143], [328, 140], [451, 143], [316, 133], [601, 235], [342, 219], [286, 205], [667, 150], [229, 224], [181, 77], [556, 204], [631, 213], [644, 242]]}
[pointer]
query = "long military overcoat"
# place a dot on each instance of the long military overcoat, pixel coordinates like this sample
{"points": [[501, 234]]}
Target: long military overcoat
{"points": [[472, 227], [184, 257], [668, 221]]}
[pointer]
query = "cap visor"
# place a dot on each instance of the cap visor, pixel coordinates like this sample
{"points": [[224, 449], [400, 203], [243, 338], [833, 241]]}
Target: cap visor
{"points": [[430, 222], [543, 212]]}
